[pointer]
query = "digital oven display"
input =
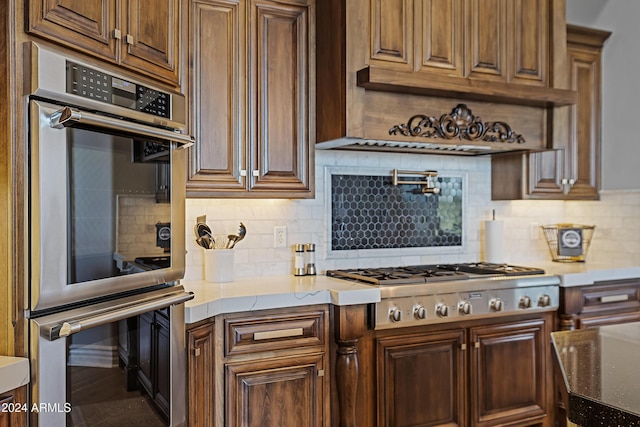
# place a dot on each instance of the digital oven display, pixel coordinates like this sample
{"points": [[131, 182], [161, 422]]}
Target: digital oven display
{"points": [[100, 86]]}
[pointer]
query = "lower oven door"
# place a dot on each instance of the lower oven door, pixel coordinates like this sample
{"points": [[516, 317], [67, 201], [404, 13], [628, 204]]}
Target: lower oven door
{"points": [[117, 363]]}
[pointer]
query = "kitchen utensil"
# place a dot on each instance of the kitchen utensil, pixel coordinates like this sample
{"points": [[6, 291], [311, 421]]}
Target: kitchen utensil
{"points": [[242, 231], [204, 237]]}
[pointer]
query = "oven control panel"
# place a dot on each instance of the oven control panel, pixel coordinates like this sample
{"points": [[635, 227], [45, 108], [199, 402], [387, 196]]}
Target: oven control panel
{"points": [[429, 309], [100, 86]]}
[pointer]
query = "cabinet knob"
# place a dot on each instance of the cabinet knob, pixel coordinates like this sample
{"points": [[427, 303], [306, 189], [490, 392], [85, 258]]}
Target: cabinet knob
{"points": [[196, 352], [255, 172], [117, 34], [128, 39]]}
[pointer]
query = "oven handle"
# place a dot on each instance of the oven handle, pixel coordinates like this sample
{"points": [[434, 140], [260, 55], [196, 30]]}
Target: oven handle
{"points": [[67, 117], [53, 331]]}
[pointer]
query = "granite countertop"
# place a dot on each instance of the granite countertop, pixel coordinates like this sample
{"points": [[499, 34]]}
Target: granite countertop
{"points": [[14, 373], [266, 292], [599, 368]]}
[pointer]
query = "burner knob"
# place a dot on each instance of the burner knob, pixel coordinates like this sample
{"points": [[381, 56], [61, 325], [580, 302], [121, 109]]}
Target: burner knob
{"points": [[464, 307], [395, 315], [442, 310], [525, 302], [496, 304], [544, 300], [419, 312]]}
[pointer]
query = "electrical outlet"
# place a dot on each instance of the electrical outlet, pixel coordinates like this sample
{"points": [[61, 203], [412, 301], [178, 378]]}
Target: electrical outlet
{"points": [[280, 236]]}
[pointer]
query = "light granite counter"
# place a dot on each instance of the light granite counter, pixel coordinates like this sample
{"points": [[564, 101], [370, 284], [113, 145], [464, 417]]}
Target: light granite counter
{"points": [[266, 292], [14, 373], [587, 273]]}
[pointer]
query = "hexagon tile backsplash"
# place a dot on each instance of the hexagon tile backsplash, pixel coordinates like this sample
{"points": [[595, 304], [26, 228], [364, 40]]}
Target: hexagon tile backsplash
{"points": [[368, 212]]}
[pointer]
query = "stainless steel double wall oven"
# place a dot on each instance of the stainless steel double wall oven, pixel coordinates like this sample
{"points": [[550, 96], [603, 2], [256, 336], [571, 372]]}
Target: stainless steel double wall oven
{"points": [[107, 182]]}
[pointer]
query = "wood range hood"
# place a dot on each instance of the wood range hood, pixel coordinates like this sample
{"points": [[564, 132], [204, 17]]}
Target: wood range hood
{"points": [[377, 89]]}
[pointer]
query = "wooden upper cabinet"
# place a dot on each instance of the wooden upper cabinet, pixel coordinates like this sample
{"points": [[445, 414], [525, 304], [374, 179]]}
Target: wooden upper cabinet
{"points": [[217, 94], [487, 39], [83, 24], [391, 34], [508, 40], [150, 36], [493, 40], [140, 35], [529, 29], [583, 153], [252, 98], [440, 37]]}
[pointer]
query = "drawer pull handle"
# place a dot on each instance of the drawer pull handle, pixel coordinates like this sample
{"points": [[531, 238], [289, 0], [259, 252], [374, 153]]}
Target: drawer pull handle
{"points": [[614, 298], [281, 333]]}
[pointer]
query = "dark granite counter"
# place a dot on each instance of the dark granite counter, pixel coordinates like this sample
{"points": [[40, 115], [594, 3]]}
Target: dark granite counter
{"points": [[600, 368]]}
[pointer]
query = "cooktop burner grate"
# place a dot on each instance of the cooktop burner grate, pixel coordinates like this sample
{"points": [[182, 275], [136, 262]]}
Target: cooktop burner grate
{"points": [[416, 274]]}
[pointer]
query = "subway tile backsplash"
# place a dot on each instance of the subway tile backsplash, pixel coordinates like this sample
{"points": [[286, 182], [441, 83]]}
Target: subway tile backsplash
{"points": [[617, 233], [368, 212]]}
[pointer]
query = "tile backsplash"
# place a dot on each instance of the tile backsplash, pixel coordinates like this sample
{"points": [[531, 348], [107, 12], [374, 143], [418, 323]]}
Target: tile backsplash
{"points": [[616, 216], [368, 212]]}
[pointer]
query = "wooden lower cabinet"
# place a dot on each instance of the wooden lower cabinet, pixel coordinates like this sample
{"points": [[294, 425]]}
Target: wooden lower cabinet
{"points": [[154, 357], [479, 374], [10, 416], [422, 378], [276, 392], [200, 366], [266, 368]]}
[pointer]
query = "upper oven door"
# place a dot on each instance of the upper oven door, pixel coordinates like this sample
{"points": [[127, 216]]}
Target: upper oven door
{"points": [[103, 192]]}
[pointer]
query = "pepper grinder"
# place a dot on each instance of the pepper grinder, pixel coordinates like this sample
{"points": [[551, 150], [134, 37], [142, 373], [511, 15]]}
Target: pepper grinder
{"points": [[298, 265], [310, 259]]}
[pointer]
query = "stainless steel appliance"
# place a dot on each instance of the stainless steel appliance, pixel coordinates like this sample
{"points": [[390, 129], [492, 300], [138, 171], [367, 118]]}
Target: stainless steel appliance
{"points": [[107, 180], [427, 294]]}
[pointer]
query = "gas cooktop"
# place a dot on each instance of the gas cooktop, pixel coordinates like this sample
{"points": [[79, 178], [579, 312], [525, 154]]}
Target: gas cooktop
{"points": [[424, 294], [415, 274]]}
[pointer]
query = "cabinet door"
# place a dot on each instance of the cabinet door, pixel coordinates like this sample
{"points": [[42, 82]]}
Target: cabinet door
{"points": [[218, 96], [584, 151], [546, 172], [281, 392], [145, 351], [391, 33], [421, 379], [86, 25], [508, 372], [280, 83], [201, 389], [162, 368], [439, 35], [528, 41], [487, 39], [150, 37]]}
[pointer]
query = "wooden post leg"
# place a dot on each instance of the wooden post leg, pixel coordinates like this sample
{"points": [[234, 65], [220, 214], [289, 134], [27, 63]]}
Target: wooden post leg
{"points": [[347, 381], [349, 324]]}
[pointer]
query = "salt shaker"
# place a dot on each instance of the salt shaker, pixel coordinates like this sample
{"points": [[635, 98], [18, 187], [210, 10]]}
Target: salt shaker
{"points": [[310, 259], [298, 264]]}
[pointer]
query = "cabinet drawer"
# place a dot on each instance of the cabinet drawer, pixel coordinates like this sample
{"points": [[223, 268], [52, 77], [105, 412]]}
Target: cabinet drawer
{"points": [[254, 334], [610, 296]]}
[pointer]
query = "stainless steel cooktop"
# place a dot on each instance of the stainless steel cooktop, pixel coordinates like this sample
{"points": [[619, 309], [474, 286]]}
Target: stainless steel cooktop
{"points": [[425, 294]]}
